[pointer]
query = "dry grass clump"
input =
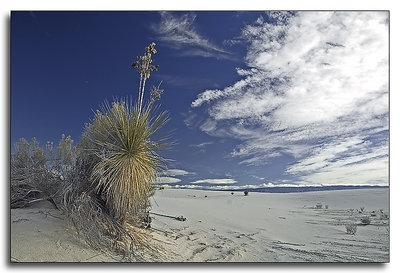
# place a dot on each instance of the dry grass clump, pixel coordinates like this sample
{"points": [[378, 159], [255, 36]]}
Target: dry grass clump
{"points": [[351, 229], [105, 233]]}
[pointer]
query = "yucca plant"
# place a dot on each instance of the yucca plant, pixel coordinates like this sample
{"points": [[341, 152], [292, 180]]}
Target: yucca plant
{"points": [[124, 145], [117, 160]]}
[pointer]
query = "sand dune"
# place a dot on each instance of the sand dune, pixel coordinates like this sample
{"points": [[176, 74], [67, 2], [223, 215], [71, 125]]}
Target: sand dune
{"points": [[261, 227]]}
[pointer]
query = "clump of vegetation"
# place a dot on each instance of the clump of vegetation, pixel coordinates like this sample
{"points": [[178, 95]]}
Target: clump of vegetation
{"points": [[38, 174], [105, 182], [384, 216], [351, 229], [246, 193], [365, 220]]}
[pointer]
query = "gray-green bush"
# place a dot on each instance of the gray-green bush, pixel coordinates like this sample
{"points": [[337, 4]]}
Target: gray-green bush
{"points": [[35, 176]]}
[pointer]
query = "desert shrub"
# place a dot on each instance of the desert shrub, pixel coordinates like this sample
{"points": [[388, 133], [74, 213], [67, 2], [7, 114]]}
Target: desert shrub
{"points": [[365, 220], [384, 216], [351, 229], [246, 193], [28, 155], [31, 178], [66, 155]]}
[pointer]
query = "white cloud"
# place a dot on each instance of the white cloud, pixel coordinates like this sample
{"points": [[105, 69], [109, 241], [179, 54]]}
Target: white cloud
{"points": [[168, 176], [243, 187], [180, 33], [215, 181], [167, 180], [371, 172], [176, 172], [316, 89], [343, 152]]}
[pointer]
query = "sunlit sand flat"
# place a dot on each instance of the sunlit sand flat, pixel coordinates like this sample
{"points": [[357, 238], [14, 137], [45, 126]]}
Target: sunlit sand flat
{"points": [[221, 227]]}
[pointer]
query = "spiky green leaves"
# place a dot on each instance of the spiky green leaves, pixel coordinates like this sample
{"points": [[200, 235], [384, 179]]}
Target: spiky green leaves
{"points": [[123, 143]]}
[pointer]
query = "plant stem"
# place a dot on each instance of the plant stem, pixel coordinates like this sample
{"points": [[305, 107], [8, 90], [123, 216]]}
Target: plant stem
{"points": [[140, 92], [141, 99]]}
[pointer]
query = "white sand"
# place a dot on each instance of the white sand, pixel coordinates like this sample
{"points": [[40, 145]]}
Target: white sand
{"points": [[42, 234], [261, 227]]}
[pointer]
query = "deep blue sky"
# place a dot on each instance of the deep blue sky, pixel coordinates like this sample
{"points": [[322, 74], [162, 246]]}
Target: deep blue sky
{"points": [[254, 97]]}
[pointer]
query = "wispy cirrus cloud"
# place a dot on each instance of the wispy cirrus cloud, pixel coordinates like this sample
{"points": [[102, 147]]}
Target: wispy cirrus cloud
{"points": [[316, 89], [178, 31], [202, 145]]}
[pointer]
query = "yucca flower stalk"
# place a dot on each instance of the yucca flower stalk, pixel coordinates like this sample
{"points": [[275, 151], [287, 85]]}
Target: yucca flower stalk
{"points": [[145, 67], [123, 141]]}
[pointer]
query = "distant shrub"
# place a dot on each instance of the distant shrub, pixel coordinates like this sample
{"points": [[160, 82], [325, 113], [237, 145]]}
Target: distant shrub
{"points": [[246, 193], [351, 229], [384, 216], [365, 220]]}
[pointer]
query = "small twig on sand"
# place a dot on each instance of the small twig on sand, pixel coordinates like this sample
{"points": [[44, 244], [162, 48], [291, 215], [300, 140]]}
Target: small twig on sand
{"points": [[179, 218], [286, 243]]}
